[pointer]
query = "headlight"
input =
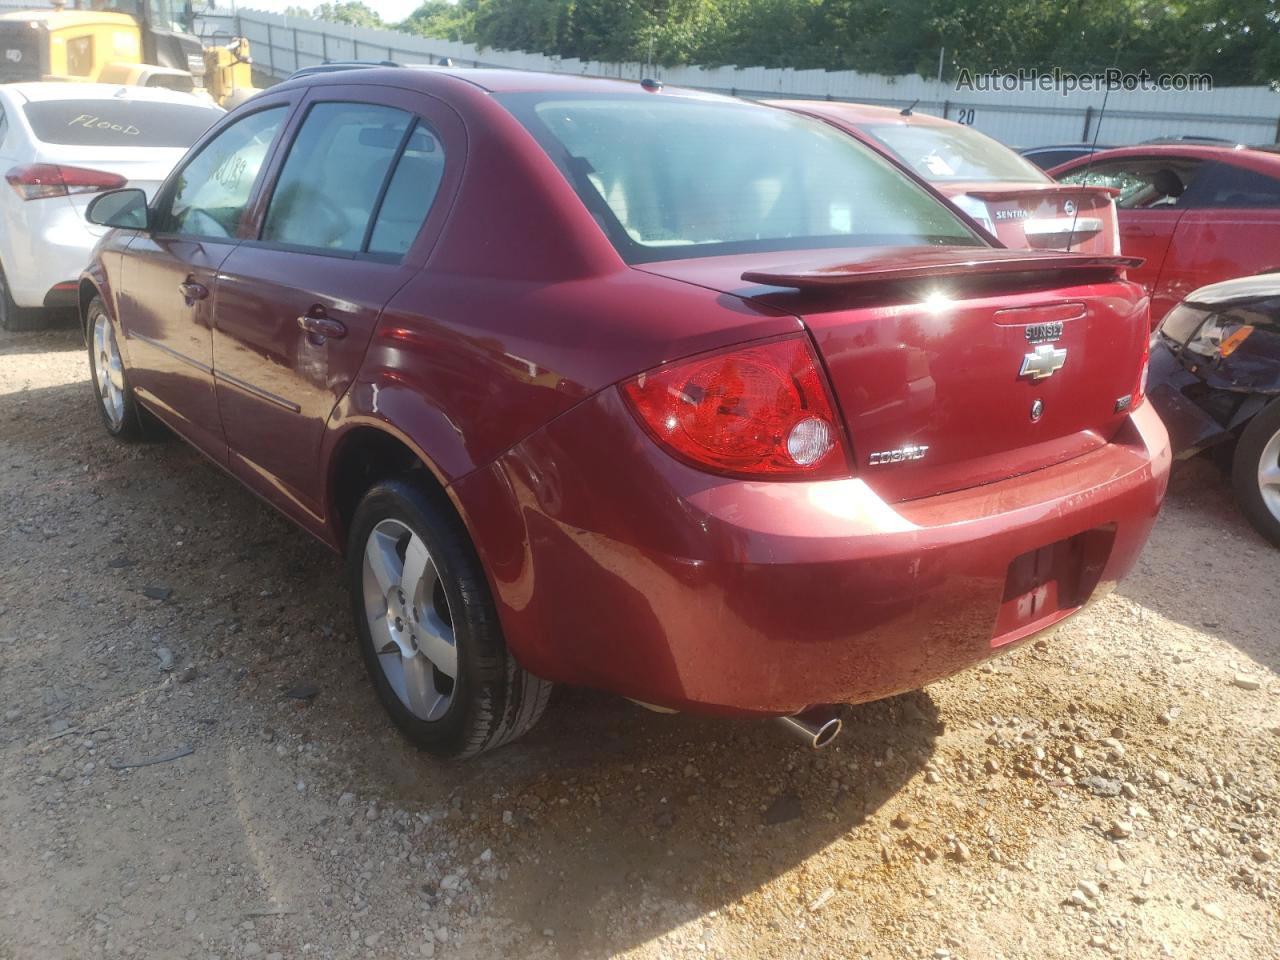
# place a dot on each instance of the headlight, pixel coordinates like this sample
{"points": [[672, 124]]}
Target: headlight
{"points": [[1204, 332], [976, 209]]}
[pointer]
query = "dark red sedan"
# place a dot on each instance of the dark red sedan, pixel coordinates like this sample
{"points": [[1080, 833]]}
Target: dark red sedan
{"points": [[1195, 214], [689, 399]]}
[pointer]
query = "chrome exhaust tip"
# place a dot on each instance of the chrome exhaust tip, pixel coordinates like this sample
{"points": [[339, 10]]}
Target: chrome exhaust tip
{"points": [[816, 727]]}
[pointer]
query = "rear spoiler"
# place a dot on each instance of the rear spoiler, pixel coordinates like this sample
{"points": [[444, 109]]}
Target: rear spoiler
{"points": [[855, 274], [1057, 190]]}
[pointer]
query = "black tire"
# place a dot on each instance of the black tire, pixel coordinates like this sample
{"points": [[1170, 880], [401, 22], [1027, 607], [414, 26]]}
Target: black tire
{"points": [[1260, 438], [493, 700], [16, 318], [129, 426]]}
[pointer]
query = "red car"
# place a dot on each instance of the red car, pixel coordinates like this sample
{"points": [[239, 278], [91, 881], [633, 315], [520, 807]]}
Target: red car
{"points": [[1195, 214], [1008, 195], [689, 399]]}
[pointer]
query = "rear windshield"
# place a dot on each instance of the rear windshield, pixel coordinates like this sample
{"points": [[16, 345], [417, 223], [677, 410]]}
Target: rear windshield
{"points": [[119, 123], [955, 153], [671, 177]]}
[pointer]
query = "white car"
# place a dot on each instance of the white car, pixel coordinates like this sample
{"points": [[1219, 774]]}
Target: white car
{"points": [[61, 143]]}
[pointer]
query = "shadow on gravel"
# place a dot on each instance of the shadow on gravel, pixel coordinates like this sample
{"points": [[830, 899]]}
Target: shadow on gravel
{"points": [[685, 815], [603, 804], [60, 336], [1202, 549]]}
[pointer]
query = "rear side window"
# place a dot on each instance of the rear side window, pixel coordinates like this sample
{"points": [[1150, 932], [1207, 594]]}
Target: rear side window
{"points": [[1226, 185], [409, 196], [681, 177], [333, 192], [119, 123], [213, 189]]}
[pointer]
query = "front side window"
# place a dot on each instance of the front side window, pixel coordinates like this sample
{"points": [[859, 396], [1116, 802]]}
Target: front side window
{"points": [[213, 190], [332, 181], [679, 177], [1144, 183], [948, 154]]}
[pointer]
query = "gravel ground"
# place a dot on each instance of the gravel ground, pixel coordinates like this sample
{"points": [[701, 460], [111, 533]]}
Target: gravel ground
{"points": [[1112, 789]]}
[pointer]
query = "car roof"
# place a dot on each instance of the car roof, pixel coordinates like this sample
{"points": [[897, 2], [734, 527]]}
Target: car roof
{"points": [[1237, 155], [861, 112], [36, 92], [427, 78]]}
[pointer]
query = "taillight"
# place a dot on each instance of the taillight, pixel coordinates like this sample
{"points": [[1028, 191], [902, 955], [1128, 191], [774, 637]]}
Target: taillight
{"points": [[33, 181], [1141, 392], [761, 411]]}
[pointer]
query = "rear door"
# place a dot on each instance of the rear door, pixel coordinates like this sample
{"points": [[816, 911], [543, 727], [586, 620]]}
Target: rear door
{"points": [[341, 231], [1231, 228], [166, 297]]}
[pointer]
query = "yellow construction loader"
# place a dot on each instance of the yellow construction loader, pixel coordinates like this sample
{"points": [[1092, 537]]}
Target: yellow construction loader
{"points": [[142, 42]]}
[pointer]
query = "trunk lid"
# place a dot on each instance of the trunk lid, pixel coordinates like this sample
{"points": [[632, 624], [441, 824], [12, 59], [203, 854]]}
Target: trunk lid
{"points": [[1044, 216], [955, 367]]}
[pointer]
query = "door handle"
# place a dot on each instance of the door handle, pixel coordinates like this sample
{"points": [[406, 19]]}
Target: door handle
{"points": [[1136, 232], [192, 291], [322, 327]]}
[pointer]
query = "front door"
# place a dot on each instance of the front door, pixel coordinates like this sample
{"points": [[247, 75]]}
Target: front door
{"points": [[298, 304], [168, 299]]}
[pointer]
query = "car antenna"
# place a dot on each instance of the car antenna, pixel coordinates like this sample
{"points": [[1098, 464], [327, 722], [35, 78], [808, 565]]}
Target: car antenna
{"points": [[906, 111], [1093, 146]]}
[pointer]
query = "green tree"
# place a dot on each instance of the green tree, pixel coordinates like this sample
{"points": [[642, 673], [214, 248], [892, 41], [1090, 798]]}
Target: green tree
{"points": [[354, 12], [439, 18], [1237, 41]]}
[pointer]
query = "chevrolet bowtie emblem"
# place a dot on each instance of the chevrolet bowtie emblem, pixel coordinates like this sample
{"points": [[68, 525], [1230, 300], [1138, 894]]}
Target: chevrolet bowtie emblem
{"points": [[1043, 361]]}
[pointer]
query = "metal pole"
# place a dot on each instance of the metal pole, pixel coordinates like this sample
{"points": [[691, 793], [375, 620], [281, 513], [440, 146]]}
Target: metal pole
{"points": [[1088, 118], [296, 62], [271, 50]]}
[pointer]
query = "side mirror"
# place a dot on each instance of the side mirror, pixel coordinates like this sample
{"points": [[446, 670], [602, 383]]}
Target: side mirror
{"points": [[120, 208]]}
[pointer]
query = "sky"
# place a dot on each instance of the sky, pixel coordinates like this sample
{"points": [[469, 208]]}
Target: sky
{"points": [[391, 11]]}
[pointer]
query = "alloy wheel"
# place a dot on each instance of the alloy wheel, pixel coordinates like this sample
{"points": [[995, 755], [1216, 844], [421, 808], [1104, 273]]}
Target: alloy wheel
{"points": [[109, 370], [409, 619]]}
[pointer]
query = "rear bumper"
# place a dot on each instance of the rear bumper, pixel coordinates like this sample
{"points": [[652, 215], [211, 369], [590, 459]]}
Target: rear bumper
{"points": [[51, 246], [661, 583]]}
